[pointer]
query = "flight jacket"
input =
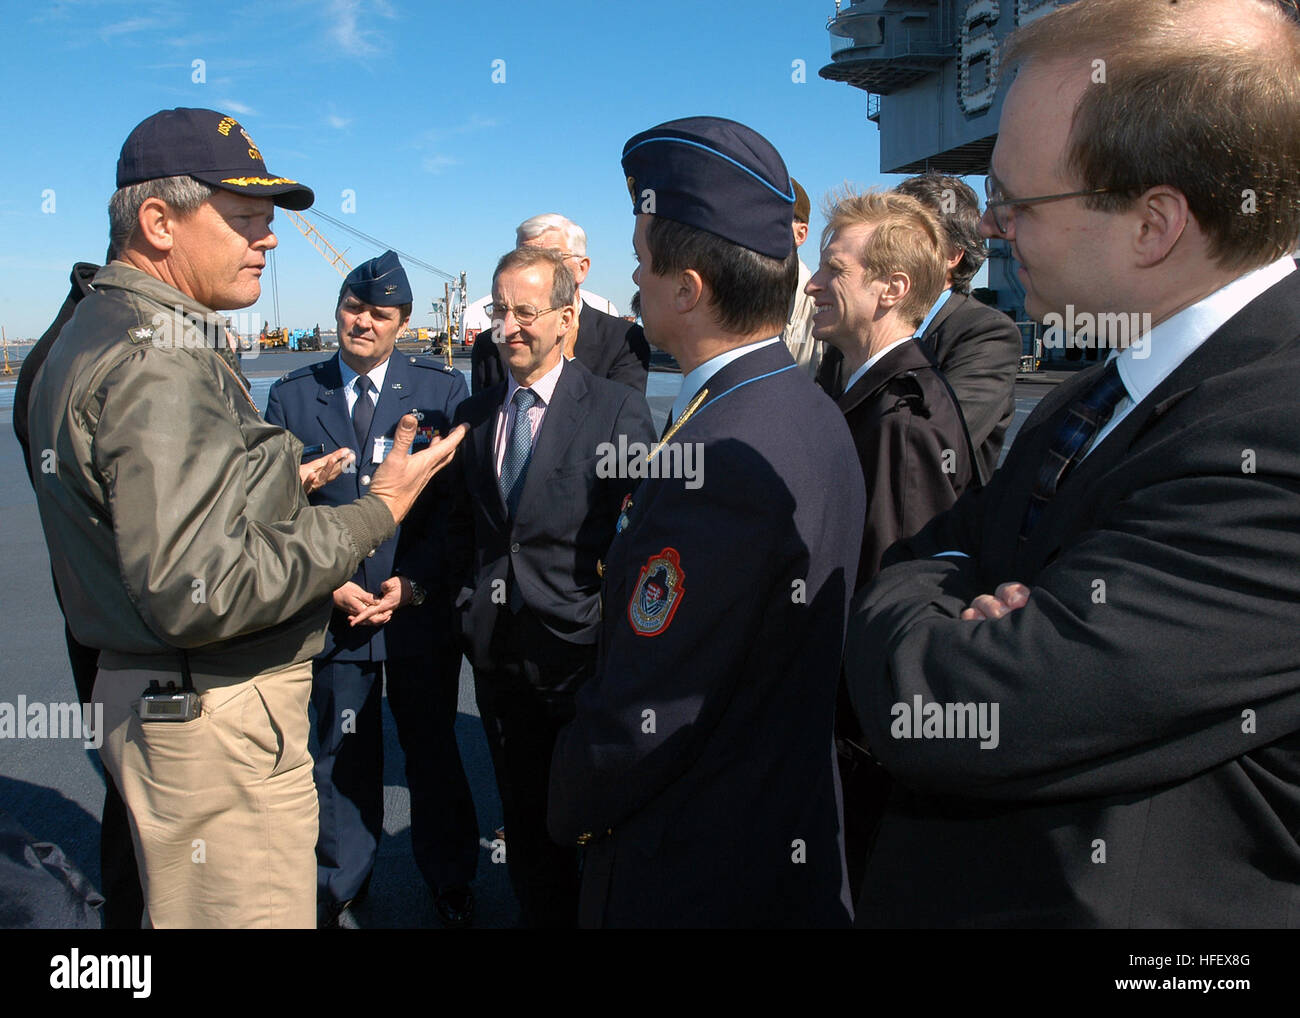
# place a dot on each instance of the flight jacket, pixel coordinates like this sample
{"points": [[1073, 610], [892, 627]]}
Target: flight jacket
{"points": [[174, 514]]}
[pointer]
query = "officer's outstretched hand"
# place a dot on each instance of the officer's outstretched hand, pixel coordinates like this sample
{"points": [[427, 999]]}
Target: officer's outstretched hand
{"points": [[403, 474]]}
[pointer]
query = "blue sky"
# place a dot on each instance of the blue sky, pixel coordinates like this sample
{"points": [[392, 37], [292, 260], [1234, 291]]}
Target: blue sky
{"points": [[395, 101]]}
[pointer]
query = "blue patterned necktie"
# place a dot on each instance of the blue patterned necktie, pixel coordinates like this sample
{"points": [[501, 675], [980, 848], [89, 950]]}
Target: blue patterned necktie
{"points": [[514, 465], [1085, 417], [363, 411]]}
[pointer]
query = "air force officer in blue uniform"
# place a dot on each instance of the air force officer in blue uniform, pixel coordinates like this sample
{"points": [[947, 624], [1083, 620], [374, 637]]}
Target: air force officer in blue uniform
{"points": [[393, 617]]}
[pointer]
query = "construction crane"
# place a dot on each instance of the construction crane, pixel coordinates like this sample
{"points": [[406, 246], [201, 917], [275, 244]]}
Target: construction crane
{"points": [[328, 251], [342, 266]]}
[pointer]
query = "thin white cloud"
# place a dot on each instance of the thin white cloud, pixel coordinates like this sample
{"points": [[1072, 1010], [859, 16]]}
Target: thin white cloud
{"points": [[128, 27], [234, 107], [433, 135], [437, 163], [351, 25], [337, 122], [477, 122]]}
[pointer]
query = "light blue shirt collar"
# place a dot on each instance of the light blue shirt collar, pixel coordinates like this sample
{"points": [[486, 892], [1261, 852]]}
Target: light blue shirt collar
{"points": [[376, 375], [696, 379], [934, 310]]}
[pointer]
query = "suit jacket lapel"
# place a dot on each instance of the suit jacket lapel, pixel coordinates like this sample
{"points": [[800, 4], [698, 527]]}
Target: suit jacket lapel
{"points": [[332, 408], [396, 399], [930, 338], [904, 357], [1254, 332], [556, 433], [584, 348], [483, 440]]}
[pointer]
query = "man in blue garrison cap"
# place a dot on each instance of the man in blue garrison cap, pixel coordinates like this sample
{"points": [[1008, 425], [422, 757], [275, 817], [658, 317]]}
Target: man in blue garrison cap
{"points": [[392, 620], [698, 771]]}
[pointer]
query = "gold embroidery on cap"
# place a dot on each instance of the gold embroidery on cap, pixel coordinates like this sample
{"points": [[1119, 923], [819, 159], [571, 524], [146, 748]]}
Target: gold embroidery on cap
{"points": [[263, 181]]}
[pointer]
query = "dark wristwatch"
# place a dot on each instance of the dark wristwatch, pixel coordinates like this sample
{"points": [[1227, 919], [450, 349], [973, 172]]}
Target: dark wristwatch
{"points": [[418, 593]]}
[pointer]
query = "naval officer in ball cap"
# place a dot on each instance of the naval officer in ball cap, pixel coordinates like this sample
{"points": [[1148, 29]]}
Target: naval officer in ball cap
{"points": [[392, 620], [698, 770], [181, 537], [209, 147]]}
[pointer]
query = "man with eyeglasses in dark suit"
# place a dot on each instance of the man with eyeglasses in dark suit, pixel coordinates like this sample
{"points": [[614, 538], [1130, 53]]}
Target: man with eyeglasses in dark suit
{"points": [[539, 513], [607, 346]]}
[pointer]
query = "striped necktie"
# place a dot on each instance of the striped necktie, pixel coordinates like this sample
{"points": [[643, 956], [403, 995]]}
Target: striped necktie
{"points": [[514, 465], [1085, 417]]}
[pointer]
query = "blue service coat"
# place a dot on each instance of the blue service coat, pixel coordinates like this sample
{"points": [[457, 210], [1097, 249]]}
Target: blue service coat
{"points": [[699, 769], [312, 404]]}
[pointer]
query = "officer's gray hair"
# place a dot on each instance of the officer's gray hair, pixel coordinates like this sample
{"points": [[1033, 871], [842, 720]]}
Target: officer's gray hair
{"points": [[184, 194], [575, 238]]}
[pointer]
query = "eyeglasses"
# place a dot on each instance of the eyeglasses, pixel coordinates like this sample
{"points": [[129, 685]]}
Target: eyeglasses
{"points": [[998, 204], [525, 314]]}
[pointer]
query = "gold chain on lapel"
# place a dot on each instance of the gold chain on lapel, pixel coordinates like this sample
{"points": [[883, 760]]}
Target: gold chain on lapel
{"points": [[691, 407]]}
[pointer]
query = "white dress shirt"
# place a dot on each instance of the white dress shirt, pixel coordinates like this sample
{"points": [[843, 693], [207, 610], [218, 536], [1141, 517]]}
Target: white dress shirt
{"points": [[1144, 366], [872, 360]]}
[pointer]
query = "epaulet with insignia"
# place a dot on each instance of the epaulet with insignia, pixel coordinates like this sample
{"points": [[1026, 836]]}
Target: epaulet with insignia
{"points": [[422, 362], [301, 372], [140, 334]]}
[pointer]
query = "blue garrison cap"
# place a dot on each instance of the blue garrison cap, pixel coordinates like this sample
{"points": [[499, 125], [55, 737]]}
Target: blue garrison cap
{"points": [[381, 281], [716, 175]]}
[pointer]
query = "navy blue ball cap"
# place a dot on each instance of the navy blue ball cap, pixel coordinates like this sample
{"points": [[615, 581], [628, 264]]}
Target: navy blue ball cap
{"points": [[716, 175], [381, 281], [208, 146]]}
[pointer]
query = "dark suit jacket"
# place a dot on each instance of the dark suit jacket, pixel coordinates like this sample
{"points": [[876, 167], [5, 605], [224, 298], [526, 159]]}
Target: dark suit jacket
{"points": [[566, 513], [1147, 771], [718, 807], [913, 449], [310, 402], [608, 347], [978, 349]]}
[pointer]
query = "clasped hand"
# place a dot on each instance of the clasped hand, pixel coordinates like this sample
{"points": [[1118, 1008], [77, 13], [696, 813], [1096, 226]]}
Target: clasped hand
{"points": [[365, 608], [1007, 598]]}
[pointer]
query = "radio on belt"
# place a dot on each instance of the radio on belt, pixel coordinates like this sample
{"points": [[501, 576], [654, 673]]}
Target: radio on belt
{"points": [[167, 703]]}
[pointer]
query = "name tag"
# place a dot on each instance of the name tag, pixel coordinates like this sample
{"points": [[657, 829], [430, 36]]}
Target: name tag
{"points": [[383, 446]]}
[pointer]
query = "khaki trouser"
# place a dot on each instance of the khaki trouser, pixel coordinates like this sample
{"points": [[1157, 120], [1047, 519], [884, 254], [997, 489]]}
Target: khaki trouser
{"points": [[222, 808]]}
